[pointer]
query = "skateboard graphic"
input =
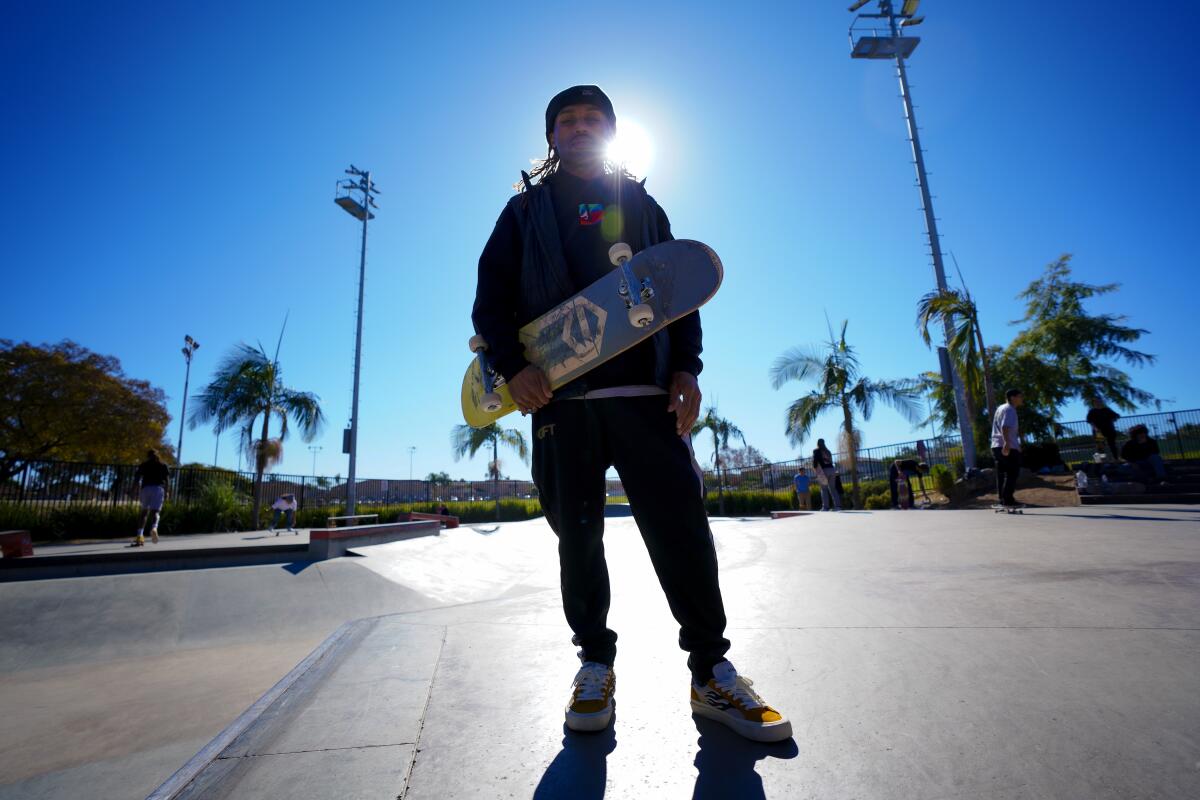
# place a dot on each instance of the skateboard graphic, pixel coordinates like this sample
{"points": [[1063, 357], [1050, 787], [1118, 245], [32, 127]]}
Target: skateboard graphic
{"points": [[638, 298]]}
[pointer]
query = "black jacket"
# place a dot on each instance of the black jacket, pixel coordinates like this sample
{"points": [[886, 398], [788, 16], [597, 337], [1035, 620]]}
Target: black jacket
{"points": [[523, 274]]}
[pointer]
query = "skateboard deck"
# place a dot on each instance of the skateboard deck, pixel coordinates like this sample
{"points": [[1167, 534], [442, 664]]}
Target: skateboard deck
{"points": [[597, 324]]}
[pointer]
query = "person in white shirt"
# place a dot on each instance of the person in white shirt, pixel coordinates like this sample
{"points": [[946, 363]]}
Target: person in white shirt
{"points": [[285, 504], [1006, 447]]}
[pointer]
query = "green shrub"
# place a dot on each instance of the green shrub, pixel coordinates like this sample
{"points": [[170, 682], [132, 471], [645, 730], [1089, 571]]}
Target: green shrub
{"points": [[875, 502], [943, 479], [749, 503]]}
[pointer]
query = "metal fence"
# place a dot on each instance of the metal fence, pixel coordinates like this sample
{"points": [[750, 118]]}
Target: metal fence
{"points": [[1177, 433], [48, 485]]}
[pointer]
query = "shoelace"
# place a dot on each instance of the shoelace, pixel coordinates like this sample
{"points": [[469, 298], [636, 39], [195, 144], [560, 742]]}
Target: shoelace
{"points": [[741, 692], [591, 680]]}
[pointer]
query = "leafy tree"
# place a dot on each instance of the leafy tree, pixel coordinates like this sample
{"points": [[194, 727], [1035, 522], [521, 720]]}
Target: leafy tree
{"points": [[467, 441], [966, 346], [438, 480], [839, 386], [63, 402], [248, 386], [748, 456], [722, 430], [1079, 345]]}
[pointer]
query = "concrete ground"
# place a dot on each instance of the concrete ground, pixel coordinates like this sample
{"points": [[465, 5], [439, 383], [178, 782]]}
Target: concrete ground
{"points": [[920, 655]]}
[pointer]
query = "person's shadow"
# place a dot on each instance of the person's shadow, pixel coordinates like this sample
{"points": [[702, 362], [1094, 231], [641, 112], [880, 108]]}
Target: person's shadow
{"points": [[580, 770], [726, 762]]}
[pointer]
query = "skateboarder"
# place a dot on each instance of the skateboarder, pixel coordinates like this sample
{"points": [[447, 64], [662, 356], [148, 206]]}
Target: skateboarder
{"points": [[1006, 448], [831, 496], [284, 505], [1103, 421], [634, 412], [152, 475]]}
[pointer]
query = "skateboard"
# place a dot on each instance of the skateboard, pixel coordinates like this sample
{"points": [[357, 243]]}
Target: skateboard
{"points": [[639, 297], [999, 509]]}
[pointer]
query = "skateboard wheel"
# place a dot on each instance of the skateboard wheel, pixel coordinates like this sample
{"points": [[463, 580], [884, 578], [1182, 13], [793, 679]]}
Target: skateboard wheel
{"points": [[619, 253], [641, 315], [492, 403], [477, 343]]}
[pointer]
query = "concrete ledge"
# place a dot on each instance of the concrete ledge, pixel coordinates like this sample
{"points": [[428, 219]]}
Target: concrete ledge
{"points": [[141, 560], [334, 542]]}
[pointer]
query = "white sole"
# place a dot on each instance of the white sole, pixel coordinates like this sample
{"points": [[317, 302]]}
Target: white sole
{"points": [[589, 723], [770, 732]]}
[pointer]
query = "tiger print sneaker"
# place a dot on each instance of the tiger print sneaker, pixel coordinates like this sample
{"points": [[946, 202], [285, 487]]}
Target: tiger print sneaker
{"points": [[727, 698], [591, 706]]}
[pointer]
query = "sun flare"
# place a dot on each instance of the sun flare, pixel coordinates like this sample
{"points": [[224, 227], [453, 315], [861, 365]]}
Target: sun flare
{"points": [[632, 147]]}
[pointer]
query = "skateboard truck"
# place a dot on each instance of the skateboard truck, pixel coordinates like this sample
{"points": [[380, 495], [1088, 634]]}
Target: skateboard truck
{"points": [[491, 401], [640, 314]]}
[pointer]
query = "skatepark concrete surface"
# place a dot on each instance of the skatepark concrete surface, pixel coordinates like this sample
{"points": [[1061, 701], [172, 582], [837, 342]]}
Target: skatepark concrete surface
{"points": [[941, 654]]}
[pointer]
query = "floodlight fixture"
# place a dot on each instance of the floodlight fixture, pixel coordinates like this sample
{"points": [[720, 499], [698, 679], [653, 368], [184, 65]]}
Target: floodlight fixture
{"points": [[857, 5], [360, 211], [872, 40]]}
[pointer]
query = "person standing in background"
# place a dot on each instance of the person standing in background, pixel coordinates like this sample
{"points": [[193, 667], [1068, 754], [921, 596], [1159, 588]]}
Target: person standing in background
{"points": [[826, 476], [1006, 447], [803, 495], [152, 475]]}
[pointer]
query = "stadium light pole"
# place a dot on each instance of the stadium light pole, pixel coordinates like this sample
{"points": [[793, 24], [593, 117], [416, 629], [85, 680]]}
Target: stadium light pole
{"points": [[893, 44], [190, 346], [314, 449], [360, 181]]}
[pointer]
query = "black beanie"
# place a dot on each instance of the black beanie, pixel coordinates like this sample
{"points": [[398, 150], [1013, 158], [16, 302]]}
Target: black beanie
{"points": [[577, 95]]}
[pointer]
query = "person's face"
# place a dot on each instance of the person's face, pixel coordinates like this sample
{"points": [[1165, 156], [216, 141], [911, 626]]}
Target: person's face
{"points": [[1017, 401], [1141, 436], [581, 133]]}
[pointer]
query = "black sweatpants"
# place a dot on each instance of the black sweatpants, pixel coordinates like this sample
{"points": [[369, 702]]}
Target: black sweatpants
{"points": [[575, 442], [1008, 467]]}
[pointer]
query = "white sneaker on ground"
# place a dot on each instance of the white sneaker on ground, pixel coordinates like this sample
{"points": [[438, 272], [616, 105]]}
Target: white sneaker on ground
{"points": [[591, 706], [729, 700], [154, 535]]}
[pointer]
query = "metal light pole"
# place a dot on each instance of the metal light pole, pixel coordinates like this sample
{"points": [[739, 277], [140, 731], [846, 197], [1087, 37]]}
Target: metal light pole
{"points": [[411, 449], [314, 449], [360, 182], [894, 45], [190, 346]]}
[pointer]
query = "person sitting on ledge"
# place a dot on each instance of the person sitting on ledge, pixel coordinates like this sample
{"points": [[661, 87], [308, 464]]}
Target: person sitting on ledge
{"points": [[1142, 451]]}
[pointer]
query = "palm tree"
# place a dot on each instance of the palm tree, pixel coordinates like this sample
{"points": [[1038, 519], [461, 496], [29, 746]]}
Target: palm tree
{"points": [[248, 385], [966, 344], [721, 429], [467, 441], [840, 386]]}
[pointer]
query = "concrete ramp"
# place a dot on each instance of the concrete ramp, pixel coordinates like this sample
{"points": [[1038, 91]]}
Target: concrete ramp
{"points": [[344, 723]]}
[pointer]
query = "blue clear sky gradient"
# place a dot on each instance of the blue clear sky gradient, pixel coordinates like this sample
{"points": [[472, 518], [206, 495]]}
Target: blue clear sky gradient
{"points": [[170, 170]]}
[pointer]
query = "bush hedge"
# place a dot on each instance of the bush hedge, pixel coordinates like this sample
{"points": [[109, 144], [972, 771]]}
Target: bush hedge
{"points": [[105, 521]]}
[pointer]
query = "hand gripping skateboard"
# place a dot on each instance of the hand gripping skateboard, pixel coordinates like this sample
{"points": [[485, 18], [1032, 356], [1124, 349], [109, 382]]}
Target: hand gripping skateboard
{"points": [[639, 297]]}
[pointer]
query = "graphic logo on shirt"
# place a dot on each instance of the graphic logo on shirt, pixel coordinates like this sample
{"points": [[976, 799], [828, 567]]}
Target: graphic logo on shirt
{"points": [[591, 213]]}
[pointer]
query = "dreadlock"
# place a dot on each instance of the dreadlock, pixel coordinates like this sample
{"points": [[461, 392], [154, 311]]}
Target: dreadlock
{"points": [[544, 168]]}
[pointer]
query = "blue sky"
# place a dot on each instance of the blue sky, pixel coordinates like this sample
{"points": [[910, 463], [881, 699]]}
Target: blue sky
{"points": [[171, 167]]}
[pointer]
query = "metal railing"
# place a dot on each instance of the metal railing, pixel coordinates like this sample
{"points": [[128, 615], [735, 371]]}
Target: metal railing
{"points": [[1177, 433], [49, 485]]}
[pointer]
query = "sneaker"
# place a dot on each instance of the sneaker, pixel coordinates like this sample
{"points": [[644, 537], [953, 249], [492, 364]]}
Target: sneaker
{"points": [[728, 699], [591, 706], [140, 541], [154, 535]]}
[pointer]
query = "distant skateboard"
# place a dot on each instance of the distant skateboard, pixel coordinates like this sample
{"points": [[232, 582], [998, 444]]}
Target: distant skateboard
{"points": [[997, 508], [642, 295]]}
